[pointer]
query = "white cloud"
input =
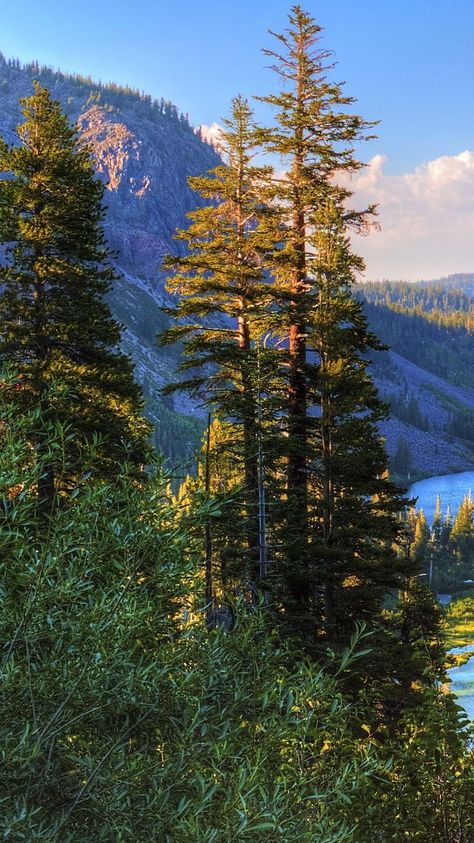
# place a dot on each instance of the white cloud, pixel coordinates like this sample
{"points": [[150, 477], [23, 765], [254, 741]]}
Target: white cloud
{"points": [[426, 217], [211, 134]]}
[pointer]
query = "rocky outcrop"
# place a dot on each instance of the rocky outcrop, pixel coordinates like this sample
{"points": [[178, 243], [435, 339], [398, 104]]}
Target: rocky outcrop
{"points": [[144, 151]]}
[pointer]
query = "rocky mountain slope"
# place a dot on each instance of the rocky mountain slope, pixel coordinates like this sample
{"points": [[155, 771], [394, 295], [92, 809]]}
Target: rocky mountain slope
{"points": [[427, 377], [145, 151], [433, 449]]}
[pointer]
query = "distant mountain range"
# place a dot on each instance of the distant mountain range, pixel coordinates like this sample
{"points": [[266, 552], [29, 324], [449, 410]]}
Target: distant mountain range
{"points": [[145, 151]]}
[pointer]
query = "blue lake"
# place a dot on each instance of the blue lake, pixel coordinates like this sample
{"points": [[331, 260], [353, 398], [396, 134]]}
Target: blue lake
{"points": [[462, 684], [451, 487]]}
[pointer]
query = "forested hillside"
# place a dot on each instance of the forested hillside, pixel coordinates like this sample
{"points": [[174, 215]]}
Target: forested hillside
{"points": [[427, 377], [144, 151], [246, 651]]}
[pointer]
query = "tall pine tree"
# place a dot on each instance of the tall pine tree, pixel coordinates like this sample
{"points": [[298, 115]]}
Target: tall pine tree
{"points": [[222, 294], [352, 505], [56, 328], [313, 134], [339, 520]]}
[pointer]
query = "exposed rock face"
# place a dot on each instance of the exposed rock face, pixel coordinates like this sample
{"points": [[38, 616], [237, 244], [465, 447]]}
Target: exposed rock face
{"points": [[115, 146], [146, 166]]}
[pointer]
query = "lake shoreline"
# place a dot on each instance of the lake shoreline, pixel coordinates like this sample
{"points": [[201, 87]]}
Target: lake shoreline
{"points": [[460, 663], [451, 488]]}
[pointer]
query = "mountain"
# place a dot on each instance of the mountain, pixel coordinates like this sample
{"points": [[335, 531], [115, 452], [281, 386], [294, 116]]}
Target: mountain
{"points": [[145, 151], [427, 377]]}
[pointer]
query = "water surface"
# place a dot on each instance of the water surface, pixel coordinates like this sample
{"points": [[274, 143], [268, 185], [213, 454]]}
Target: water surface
{"points": [[462, 683], [451, 487]]}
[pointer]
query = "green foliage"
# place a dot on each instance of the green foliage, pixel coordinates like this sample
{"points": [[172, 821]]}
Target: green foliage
{"points": [[428, 790], [176, 436], [439, 303], [401, 461], [463, 608], [88, 614], [56, 327], [223, 293], [459, 616], [121, 720], [284, 365], [441, 345], [446, 550], [110, 95], [123, 714], [314, 134], [407, 409], [460, 424]]}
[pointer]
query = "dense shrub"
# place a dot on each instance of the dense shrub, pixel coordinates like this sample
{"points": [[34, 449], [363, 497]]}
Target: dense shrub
{"points": [[123, 719]]}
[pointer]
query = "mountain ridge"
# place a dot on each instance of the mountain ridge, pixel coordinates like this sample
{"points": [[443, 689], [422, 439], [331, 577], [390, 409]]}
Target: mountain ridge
{"points": [[427, 376], [144, 151]]}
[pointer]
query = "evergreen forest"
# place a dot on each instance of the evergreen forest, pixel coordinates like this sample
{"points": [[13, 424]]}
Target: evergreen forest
{"points": [[251, 650]]}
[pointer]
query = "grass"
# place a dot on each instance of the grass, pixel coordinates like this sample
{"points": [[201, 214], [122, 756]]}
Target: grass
{"points": [[459, 628]]}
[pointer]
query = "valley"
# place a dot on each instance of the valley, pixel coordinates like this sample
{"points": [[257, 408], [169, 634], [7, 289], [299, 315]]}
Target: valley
{"points": [[236, 520], [145, 151]]}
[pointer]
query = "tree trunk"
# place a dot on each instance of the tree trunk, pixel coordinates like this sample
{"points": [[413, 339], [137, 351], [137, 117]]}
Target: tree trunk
{"points": [[208, 595], [250, 448], [328, 498], [47, 480], [297, 478]]}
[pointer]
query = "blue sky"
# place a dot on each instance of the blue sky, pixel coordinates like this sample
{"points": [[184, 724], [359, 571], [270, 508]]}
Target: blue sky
{"points": [[409, 63]]}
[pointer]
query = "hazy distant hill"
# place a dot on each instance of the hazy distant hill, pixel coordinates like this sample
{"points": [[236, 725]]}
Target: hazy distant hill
{"points": [[145, 150]]}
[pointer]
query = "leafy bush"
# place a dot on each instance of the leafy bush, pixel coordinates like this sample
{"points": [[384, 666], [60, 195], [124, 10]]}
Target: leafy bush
{"points": [[463, 608], [122, 718]]}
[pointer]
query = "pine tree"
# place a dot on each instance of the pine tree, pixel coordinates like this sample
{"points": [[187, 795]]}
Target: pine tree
{"points": [[334, 525], [421, 536], [55, 326], [314, 137], [222, 292], [462, 534], [402, 460], [338, 494], [447, 526], [437, 525], [352, 504], [434, 554]]}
